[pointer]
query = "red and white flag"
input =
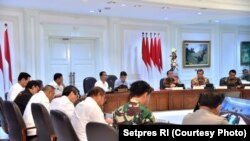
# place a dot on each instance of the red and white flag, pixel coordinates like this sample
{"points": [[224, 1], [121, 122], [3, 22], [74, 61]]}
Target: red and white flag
{"points": [[8, 59], [158, 53], [143, 49], [152, 49], [148, 52], [156, 60], [2, 90]]}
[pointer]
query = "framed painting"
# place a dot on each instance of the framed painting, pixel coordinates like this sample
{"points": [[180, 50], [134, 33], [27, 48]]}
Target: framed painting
{"points": [[196, 54], [245, 53]]}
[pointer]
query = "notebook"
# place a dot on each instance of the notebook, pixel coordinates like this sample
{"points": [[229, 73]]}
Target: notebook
{"points": [[236, 110]]}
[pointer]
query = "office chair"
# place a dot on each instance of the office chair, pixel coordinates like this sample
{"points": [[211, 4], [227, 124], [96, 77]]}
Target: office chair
{"points": [[45, 131], [63, 127], [88, 83]]}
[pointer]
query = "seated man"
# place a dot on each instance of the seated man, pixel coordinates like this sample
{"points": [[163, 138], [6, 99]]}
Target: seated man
{"points": [[134, 112], [57, 84], [199, 80], [102, 83], [231, 81], [43, 97], [89, 110], [65, 103], [23, 79], [170, 81], [207, 111], [23, 97], [122, 83], [246, 75]]}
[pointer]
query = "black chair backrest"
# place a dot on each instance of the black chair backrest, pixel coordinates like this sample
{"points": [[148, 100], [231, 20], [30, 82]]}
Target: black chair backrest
{"points": [[88, 83], [100, 132], [3, 121], [222, 81], [15, 121], [45, 131], [111, 81], [161, 83], [62, 126]]}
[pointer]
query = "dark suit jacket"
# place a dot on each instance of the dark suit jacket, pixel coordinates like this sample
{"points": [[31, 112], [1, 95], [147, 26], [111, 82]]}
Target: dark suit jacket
{"points": [[22, 99], [230, 82]]}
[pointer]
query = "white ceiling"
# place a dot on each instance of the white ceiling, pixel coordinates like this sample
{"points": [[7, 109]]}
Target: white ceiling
{"points": [[176, 11]]}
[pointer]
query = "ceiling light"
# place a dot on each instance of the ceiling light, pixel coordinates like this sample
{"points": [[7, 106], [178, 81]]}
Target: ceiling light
{"points": [[91, 11], [123, 5], [165, 8], [217, 21], [199, 13], [111, 2], [202, 8], [107, 8], [137, 5], [166, 18]]}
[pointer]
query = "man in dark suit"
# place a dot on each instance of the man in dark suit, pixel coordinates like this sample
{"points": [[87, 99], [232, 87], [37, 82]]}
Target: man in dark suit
{"points": [[23, 97]]}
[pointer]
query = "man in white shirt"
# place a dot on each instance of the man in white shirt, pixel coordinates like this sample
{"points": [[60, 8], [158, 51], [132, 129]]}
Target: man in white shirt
{"points": [[102, 83], [122, 81], [58, 84], [43, 97], [65, 103], [89, 111], [23, 80]]}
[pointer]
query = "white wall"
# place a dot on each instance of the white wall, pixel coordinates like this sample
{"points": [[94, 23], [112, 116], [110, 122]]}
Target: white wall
{"points": [[119, 43]]}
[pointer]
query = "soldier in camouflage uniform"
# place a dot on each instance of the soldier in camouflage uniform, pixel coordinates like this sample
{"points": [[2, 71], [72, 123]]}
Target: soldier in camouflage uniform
{"points": [[134, 112]]}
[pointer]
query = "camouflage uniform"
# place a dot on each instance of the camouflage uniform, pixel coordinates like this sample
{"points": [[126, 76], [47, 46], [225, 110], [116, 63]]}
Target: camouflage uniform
{"points": [[199, 81], [132, 113]]}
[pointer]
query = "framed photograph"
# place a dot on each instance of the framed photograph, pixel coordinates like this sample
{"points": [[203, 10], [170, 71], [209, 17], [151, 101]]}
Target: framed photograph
{"points": [[196, 54], [245, 53]]}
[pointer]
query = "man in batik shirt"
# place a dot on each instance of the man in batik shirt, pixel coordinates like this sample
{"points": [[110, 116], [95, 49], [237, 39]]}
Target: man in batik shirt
{"points": [[171, 80], [232, 81], [134, 112], [199, 80]]}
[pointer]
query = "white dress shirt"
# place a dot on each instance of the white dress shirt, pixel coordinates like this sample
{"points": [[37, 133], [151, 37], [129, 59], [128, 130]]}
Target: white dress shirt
{"points": [[86, 111], [104, 86], [118, 82], [41, 98], [58, 88], [14, 91], [63, 104]]}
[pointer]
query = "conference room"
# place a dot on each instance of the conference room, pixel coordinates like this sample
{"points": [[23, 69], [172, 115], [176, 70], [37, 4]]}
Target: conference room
{"points": [[168, 44]]}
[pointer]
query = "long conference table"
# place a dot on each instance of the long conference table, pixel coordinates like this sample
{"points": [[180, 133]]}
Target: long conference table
{"points": [[164, 100]]}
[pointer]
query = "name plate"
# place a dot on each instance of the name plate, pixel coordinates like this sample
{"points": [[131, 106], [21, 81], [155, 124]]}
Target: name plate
{"points": [[177, 88], [247, 87], [221, 87], [198, 87]]}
